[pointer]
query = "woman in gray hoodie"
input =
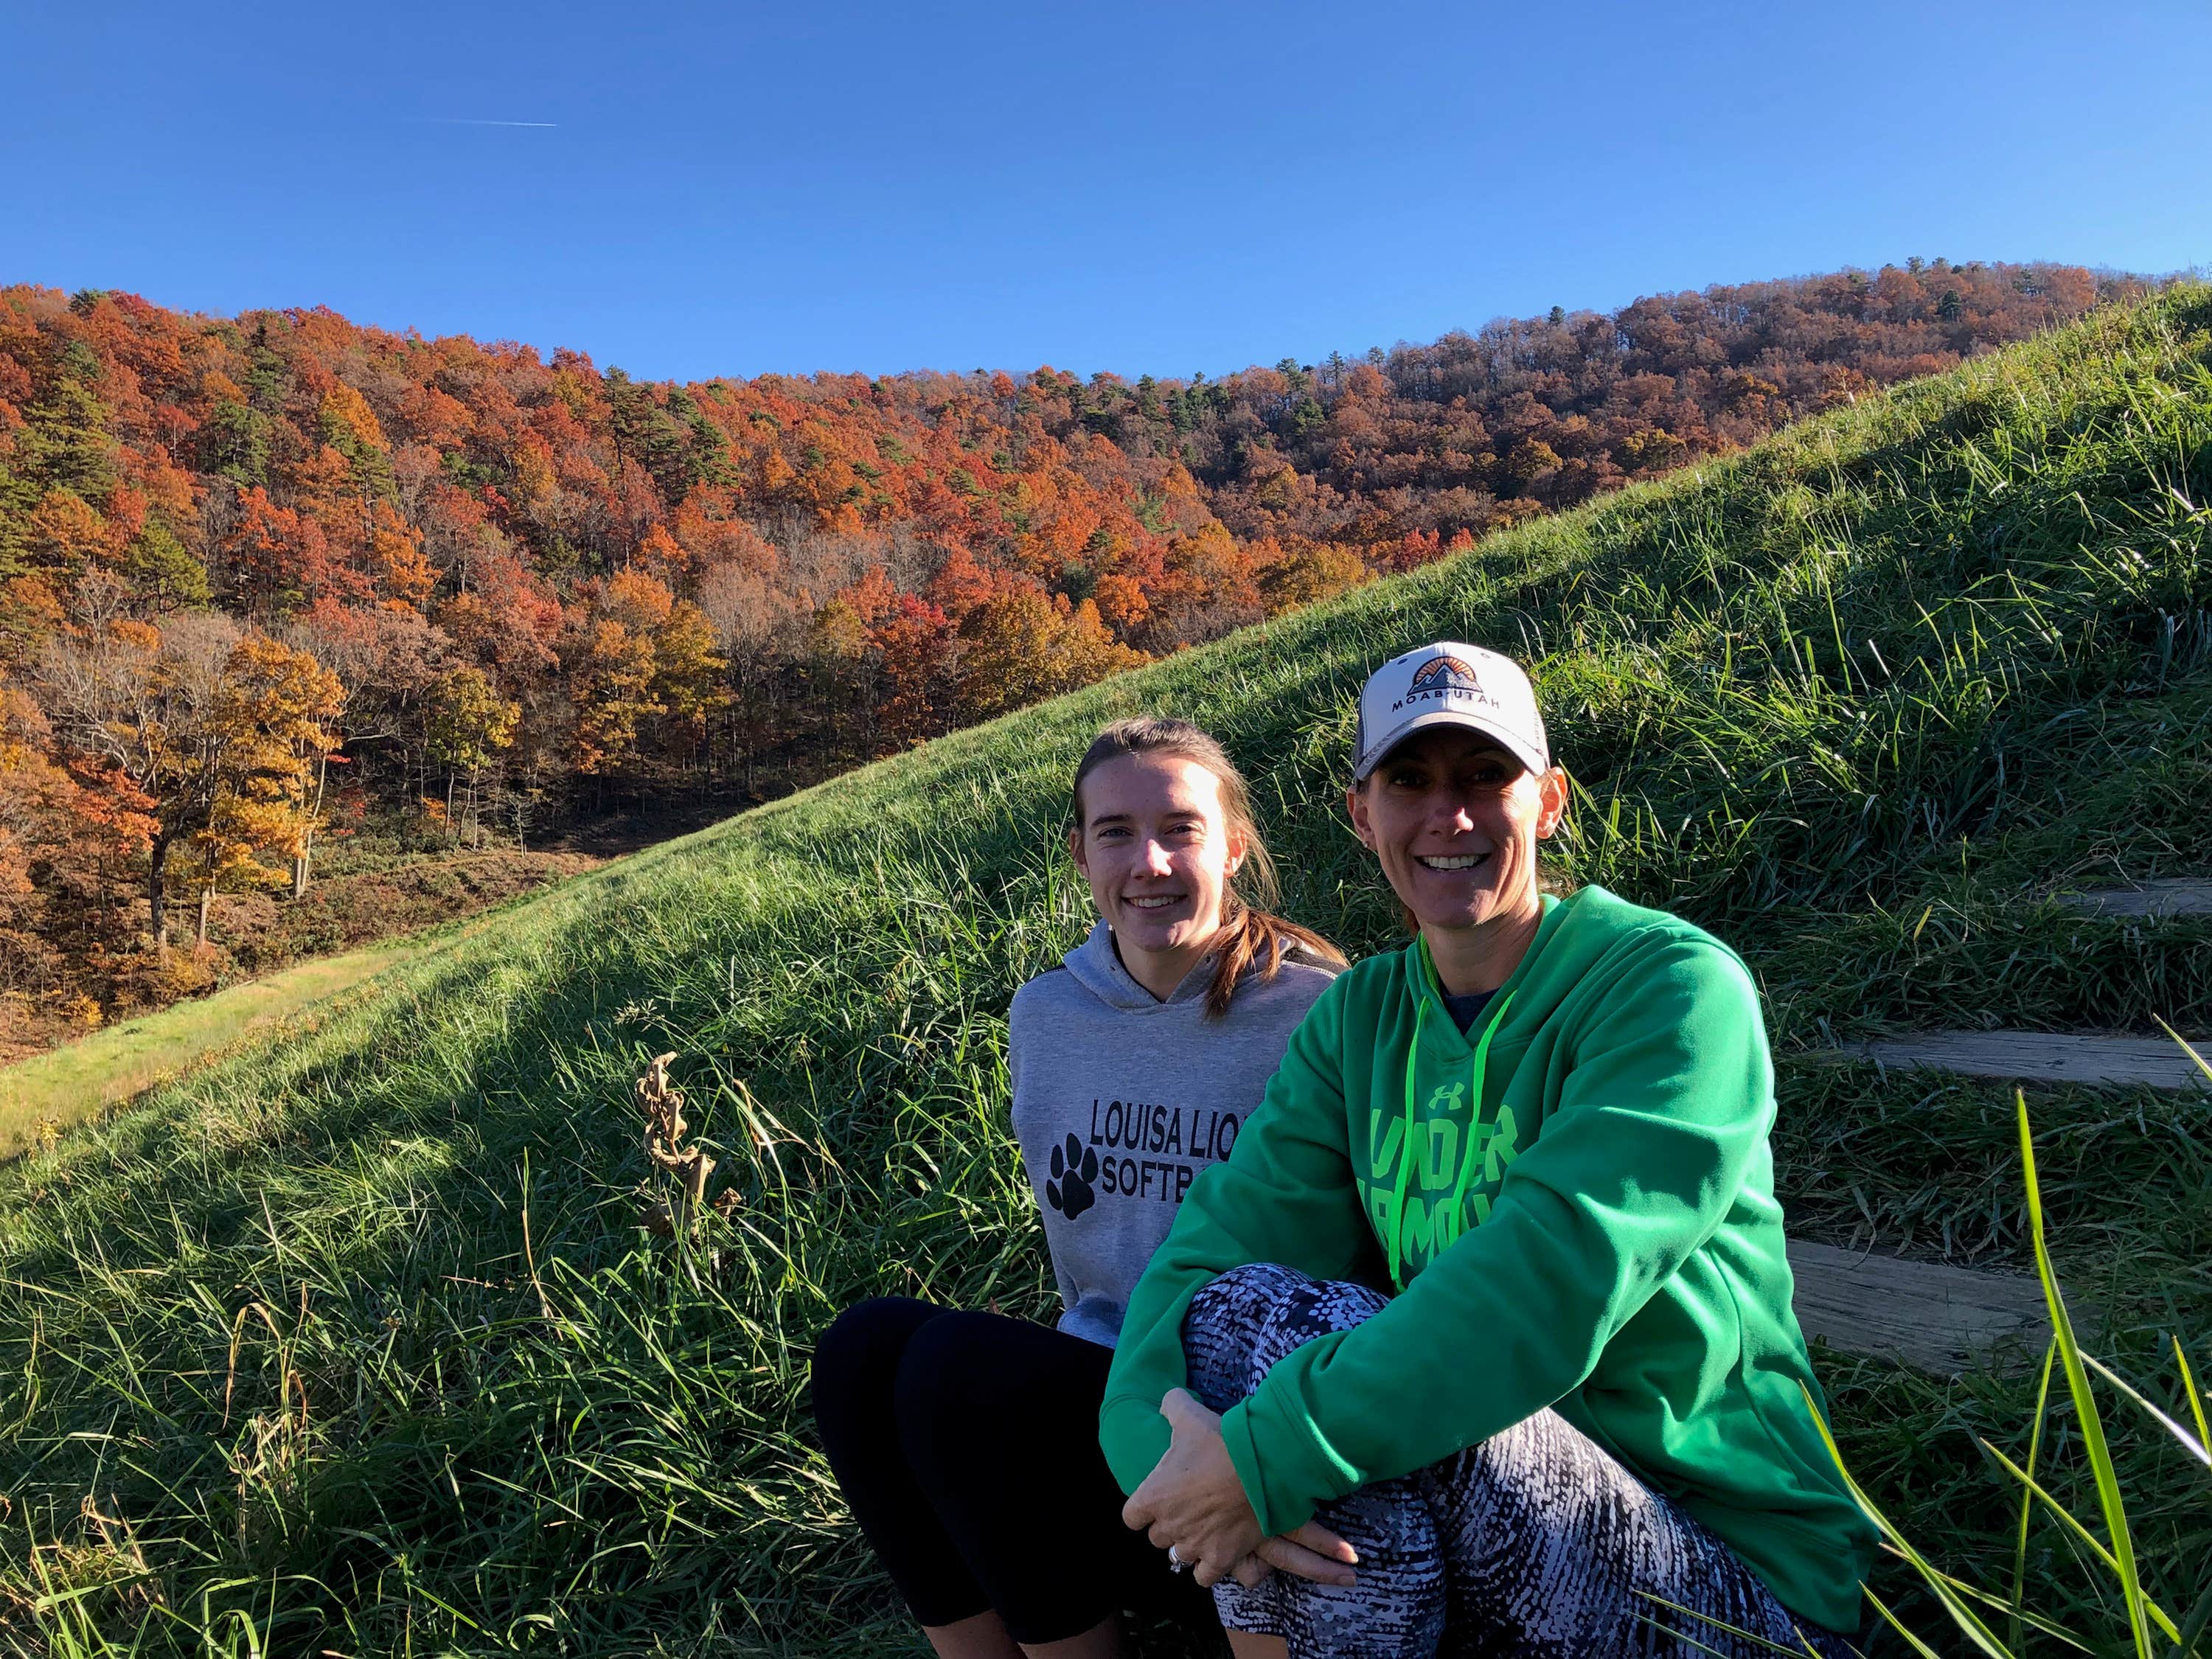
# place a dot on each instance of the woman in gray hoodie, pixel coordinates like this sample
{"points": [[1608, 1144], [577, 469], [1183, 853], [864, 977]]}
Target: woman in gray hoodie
{"points": [[966, 1444]]}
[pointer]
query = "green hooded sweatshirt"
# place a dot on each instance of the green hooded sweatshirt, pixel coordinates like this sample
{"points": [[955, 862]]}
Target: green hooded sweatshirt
{"points": [[1599, 1235]]}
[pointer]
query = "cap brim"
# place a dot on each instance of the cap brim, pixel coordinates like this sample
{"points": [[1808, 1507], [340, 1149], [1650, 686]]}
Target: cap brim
{"points": [[1534, 759]]}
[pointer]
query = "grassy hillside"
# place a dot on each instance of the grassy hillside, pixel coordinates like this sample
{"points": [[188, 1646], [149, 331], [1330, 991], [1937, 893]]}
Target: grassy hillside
{"points": [[356, 1345], [57, 1089]]}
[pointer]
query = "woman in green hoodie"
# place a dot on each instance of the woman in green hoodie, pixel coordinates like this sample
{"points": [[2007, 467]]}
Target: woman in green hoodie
{"points": [[1494, 1288]]}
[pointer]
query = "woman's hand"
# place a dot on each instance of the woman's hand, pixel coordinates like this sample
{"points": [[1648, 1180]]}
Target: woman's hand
{"points": [[1312, 1552], [1192, 1503]]}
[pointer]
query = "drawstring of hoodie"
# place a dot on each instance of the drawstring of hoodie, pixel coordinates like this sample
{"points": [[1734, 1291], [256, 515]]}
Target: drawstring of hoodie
{"points": [[1476, 1070]]}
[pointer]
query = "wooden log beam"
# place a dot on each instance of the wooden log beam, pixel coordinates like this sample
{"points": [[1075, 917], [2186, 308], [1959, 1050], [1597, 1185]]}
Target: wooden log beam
{"points": [[2035, 1057], [2186, 895], [1934, 1318]]}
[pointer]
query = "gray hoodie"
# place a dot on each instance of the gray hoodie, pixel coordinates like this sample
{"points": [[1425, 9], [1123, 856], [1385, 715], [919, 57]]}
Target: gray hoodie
{"points": [[1120, 1100]]}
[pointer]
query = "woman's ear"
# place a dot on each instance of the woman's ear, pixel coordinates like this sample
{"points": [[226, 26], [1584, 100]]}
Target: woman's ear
{"points": [[1355, 803], [1552, 794], [1075, 849]]}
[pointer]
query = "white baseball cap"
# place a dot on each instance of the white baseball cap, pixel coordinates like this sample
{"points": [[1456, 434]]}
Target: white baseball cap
{"points": [[1449, 684]]}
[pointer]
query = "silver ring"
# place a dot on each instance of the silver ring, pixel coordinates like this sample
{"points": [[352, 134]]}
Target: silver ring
{"points": [[1175, 1562]]}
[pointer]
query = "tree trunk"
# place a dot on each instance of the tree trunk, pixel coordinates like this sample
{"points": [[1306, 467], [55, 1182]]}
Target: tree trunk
{"points": [[207, 899], [308, 838], [157, 908]]}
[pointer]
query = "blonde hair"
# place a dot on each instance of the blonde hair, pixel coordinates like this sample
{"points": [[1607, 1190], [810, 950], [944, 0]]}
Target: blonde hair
{"points": [[1251, 936]]}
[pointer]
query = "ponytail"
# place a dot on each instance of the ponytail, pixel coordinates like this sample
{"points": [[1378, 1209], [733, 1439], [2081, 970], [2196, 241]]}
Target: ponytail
{"points": [[1250, 937], [1258, 939]]}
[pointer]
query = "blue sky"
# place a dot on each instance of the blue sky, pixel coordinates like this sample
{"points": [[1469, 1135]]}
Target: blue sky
{"points": [[733, 189]]}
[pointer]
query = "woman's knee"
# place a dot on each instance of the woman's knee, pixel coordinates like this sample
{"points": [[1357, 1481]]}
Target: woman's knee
{"points": [[1255, 1283], [856, 1359], [980, 1398], [1261, 1293], [959, 1368], [1241, 1323]]}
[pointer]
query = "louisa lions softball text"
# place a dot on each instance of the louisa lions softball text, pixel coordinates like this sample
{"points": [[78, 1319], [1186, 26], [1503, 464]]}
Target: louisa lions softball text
{"points": [[1149, 1150]]}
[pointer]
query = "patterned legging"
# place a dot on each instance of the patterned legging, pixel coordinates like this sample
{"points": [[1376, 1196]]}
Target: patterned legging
{"points": [[1535, 1544]]}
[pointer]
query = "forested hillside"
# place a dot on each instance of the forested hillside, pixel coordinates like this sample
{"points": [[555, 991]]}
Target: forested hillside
{"points": [[264, 578]]}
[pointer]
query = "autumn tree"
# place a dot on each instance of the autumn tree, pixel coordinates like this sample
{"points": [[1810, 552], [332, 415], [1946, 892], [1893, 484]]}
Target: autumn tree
{"points": [[1306, 573], [919, 651], [272, 715], [470, 726], [35, 798], [217, 729], [1022, 647], [611, 669]]}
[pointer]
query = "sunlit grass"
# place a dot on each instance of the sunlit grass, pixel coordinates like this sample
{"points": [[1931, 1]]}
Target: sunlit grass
{"points": [[354, 1343], [54, 1091], [59, 1089]]}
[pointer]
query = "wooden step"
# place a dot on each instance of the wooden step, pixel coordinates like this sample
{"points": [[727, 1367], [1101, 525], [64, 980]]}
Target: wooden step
{"points": [[2186, 895], [2035, 1057], [1933, 1318]]}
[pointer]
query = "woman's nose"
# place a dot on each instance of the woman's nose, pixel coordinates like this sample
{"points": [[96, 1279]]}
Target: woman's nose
{"points": [[1157, 861]]}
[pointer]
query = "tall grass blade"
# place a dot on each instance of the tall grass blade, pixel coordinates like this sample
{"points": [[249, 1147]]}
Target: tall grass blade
{"points": [[2085, 1404], [2191, 1644], [2191, 1393], [2189, 1443], [2027, 1498], [1804, 1644], [2035, 1621], [2111, 1564], [1962, 1616], [2187, 1048], [1898, 1625]]}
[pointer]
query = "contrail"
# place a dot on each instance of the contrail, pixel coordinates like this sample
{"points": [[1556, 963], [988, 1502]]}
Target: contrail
{"points": [[476, 121]]}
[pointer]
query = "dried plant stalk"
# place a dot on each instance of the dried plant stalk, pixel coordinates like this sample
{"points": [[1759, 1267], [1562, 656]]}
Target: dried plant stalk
{"points": [[689, 1168]]}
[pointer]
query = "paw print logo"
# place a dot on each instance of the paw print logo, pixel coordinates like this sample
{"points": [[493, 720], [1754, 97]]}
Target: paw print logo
{"points": [[1073, 1170]]}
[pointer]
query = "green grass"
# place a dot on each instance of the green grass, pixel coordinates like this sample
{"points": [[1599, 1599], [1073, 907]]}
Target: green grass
{"points": [[61, 1088], [351, 1343], [1999, 1625], [65, 1085]]}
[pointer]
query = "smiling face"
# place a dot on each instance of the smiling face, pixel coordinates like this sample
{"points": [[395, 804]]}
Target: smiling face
{"points": [[1156, 849], [1455, 819]]}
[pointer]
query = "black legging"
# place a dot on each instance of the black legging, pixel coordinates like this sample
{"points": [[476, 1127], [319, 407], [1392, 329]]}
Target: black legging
{"points": [[966, 1446]]}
